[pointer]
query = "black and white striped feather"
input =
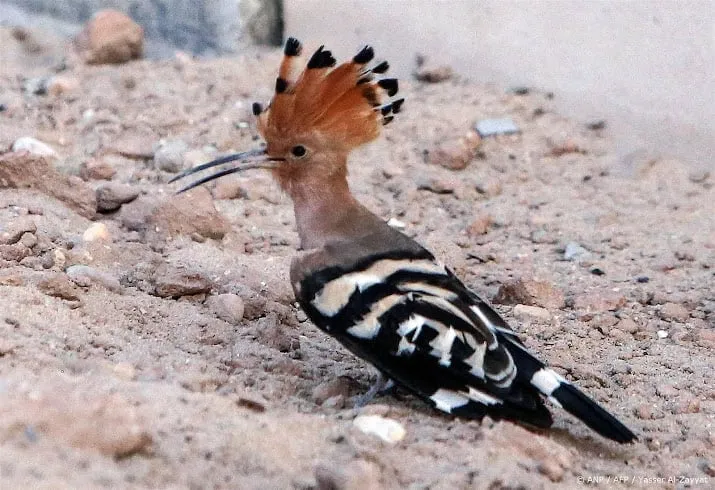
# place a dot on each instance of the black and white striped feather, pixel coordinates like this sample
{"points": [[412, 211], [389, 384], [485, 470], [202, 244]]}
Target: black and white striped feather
{"points": [[418, 324]]}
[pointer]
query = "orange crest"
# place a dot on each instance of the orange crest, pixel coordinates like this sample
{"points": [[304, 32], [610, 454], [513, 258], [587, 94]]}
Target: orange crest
{"points": [[340, 105]]}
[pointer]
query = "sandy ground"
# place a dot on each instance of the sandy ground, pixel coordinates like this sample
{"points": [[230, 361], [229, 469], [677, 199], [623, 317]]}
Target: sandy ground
{"points": [[176, 357]]}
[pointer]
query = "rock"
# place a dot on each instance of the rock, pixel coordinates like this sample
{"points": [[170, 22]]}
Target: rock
{"points": [[170, 156], [531, 313], [172, 282], [568, 146], [14, 253], [698, 176], [662, 334], [627, 325], [110, 37], [60, 85], [271, 333], [674, 312], [436, 185], [575, 252], [96, 170], [389, 430], [110, 197], [28, 240], [551, 469], [530, 292], [59, 286], [190, 212], [228, 307], [84, 276], [23, 170], [74, 416], [455, 154], [356, 475], [125, 371], [331, 388], [433, 74], [494, 127], [227, 188], [96, 232], [33, 146], [480, 225], [13, 231], [599, 301]]}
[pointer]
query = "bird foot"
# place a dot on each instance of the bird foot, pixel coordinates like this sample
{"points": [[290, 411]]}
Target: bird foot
{"points": [[381, 385]]}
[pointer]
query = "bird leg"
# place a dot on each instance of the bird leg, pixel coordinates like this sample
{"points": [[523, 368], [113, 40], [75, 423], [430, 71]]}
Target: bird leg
{"points": [[381, 385]]}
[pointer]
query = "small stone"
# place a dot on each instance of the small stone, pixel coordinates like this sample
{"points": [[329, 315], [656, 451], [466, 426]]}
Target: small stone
{"points": [[28, 240], [85, 276], [480, 225], [530, 292], [575, 252], [227, 188], [34, 146], [674, 312], [170, 156], [59, 286], [96, 232], [552, 470], [436, 185], [96, 170], [666, 391], [110, 197], [251, 403], [455, 154], [662, 334], [14, 253], [356, 475], [301, 316], [494, 127], [228, 307], [172, 282], [433, 74], [389, 430], [14, 230], [599, 301], [396, 223], [531, 313], [110, 37], [125, 371], [190, 212], [627, 325], [60, 85], [331, 388]]}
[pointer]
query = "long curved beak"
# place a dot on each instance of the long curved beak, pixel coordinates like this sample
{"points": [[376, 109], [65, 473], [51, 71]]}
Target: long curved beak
{"points": [[247, 160]]}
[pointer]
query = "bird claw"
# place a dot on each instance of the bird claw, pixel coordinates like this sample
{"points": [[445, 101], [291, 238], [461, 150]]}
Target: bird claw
{"points": [[381, 385]]}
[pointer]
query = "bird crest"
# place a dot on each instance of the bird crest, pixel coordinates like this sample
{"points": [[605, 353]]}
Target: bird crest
{"points": [[341, 104]]}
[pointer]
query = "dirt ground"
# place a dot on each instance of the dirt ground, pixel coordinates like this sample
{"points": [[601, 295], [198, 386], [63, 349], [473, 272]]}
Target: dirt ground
{"points": [[156, 344]]}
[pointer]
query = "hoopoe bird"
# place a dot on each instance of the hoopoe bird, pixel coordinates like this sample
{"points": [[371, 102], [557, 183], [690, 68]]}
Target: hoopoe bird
{"points": [[378, 292]]}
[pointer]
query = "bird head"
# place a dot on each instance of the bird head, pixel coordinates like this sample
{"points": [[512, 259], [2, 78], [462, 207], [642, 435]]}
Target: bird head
{"points": [[318, 114]]}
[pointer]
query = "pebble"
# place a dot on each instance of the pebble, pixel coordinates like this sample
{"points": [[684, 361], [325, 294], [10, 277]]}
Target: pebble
{"points": [[526, 313], [455, 154], [494, 127], [189, 212], [356, 475], [627, 325], [599, 301], [96, 232], [575, 252], [59, 286], [530, 292], [125, 371], [110, 37], [34, 146], [228, 307], [396, 223], [13, 231], [96, 170], [110, 197], [84, 275], [674, 312], [480, 225], [662, 334], [59, 85], [436, 185], [389, 430], [172, 282], [328, 389], [170, 156], [699, 176], [14, 253]]}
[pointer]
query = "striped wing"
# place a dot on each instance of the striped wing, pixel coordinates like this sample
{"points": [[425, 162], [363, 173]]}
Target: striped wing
{"points": [[415, 321]]}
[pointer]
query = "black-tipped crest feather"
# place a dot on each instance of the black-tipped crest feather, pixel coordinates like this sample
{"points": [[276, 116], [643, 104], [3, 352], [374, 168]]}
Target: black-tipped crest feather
{"points": [[365, 55], [389, 84], [292, 47]]}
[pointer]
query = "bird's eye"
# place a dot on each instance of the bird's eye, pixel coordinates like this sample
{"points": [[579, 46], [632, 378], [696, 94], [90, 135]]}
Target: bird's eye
{"points": [[298, 151]]}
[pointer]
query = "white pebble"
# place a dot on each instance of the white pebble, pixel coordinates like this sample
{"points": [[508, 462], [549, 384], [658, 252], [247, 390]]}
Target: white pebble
{"points": [[396, 223], [662, 334], [36, 147], [386, 429], [97, 231]]}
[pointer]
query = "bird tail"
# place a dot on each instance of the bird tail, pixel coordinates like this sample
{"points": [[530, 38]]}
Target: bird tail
{"points": [[562, 393]]}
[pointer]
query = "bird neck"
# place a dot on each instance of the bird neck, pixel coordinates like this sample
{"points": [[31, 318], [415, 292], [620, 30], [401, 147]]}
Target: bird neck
{"points": [[325, 211]]}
